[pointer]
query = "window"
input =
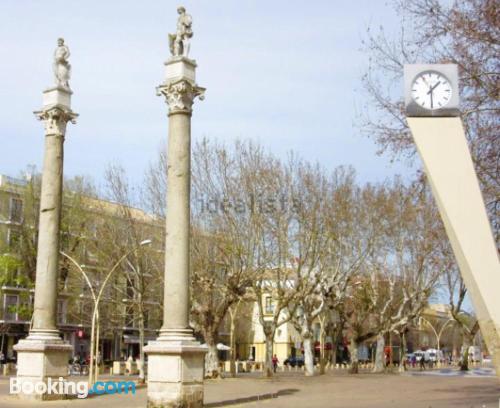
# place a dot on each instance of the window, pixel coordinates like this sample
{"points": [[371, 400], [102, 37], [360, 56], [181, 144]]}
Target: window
{"points": [[13, 239], [61, 311], [269, 306], [317, 331], [10, 307], [130, 318], [63, 278], [16, 210]]}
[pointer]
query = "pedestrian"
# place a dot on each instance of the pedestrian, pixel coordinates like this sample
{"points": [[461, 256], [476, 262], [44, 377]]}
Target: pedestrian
{"points": [[422, 362], [275, 362]]}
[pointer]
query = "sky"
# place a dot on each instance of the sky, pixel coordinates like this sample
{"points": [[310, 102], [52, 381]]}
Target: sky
{"points": [[285, 73]]}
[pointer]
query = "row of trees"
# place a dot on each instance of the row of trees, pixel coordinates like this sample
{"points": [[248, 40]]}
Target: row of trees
{"points": [[462, 32], [362, 260]]}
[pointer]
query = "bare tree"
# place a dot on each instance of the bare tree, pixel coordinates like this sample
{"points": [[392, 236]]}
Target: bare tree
{"points": [[407, 269], [122, 230], [468, 324], [464, 32]]}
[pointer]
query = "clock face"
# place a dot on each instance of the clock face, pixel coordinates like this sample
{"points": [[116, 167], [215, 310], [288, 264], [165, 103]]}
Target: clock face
{"points": [[431, 90]]}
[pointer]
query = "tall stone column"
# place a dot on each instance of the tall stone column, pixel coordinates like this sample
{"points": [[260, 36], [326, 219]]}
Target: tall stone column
{"points": [[176, 359], [43, 353]]}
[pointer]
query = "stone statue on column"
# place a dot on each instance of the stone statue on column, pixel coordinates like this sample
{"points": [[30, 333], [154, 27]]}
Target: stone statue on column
{"points": [[176, 357], [43, 354], [180, 41], [61, 66]]}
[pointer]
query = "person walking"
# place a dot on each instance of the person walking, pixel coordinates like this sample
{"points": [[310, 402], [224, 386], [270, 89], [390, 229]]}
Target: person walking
{"points": [[422, 362], [275, 362]]}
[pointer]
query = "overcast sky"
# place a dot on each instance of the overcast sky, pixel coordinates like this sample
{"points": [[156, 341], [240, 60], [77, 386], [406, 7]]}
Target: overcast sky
{"points": [[281, 72]]}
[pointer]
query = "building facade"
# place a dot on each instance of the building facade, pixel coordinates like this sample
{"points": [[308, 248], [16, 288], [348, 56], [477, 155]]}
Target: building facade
{"points": [[119, 322]]}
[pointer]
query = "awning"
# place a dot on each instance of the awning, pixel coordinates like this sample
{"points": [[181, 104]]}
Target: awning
{"points": [[221, 347], [129, 339]]}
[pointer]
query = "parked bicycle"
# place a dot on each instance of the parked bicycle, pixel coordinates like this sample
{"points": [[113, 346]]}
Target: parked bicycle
{"points": [[78, 369]]}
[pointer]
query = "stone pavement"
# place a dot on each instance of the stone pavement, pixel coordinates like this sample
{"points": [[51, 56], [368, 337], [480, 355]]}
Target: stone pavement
{"points": [[335, 390]]}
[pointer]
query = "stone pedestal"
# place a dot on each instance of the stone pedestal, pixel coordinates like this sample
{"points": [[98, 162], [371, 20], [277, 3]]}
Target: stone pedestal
{"points": [[43, 354], [176, 359], [39, 360], [175, 373]]}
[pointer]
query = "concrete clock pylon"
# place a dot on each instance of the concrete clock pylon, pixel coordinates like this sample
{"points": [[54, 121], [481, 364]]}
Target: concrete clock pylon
{"points": [[443, 148]]}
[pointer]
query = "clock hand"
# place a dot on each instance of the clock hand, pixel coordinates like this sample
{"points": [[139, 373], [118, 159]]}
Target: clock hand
{"points": [[433, 87]]}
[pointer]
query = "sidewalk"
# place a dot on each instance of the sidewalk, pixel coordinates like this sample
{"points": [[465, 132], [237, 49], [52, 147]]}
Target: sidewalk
{"points": [[331, 390]]}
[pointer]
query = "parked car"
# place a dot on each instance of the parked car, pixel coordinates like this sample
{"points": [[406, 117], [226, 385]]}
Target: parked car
{"points": [[294, 361], [418, 355], [475, 354], [435, 355]]}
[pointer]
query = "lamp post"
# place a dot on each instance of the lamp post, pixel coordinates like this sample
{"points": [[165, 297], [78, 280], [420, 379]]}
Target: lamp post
{"points": [[94, 335], [438, 336]]}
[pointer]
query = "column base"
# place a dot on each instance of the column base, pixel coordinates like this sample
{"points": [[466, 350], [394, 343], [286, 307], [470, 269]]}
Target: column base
{"points": [[41, 358], [175, 372]]}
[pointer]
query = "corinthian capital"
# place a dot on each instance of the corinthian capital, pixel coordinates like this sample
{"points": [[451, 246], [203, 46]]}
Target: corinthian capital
{"points": [[55, 120], [180, 95]]}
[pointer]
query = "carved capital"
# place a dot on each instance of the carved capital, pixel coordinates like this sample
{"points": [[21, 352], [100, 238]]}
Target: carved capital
{"points": [[180, 95], [55, 119]]}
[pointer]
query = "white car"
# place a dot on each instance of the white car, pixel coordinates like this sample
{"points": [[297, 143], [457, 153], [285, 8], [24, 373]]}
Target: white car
{"points": [[418, 355], [435, 355]]}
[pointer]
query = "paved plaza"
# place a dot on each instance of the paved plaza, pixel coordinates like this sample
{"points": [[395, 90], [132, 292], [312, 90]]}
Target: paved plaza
{"points": [[336, 390]]}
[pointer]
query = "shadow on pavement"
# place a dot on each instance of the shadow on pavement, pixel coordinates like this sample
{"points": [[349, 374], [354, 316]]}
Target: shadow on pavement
{"points": [[259, 397]]}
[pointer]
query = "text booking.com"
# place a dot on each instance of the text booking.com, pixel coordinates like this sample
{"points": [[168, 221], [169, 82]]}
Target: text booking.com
{"points": [[61, 386]]}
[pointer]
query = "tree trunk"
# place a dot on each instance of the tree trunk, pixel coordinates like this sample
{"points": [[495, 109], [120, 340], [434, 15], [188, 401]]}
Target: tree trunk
{"points": [[379, 356], [308, 355], [322, 359], [268, 369], [353, 351], [333, 355], [335, 337], [464, 361], [233, 311], [402, 353], [142, 376], [211, 358]]}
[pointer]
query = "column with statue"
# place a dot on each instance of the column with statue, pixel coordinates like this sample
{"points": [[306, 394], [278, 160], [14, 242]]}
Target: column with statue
{"points": [[43, 354], [175, 358]]}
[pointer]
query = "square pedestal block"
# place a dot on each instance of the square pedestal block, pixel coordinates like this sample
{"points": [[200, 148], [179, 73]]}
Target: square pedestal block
{"points": [[39, 360], [175, 374], [57, 96], [179, 68]]}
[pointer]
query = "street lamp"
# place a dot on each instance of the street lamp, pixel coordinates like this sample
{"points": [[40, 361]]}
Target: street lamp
{"points": [[94, 336], [438, 335]]}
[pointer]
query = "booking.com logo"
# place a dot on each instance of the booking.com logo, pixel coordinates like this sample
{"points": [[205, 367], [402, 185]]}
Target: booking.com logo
{"points": [[62, 387]]}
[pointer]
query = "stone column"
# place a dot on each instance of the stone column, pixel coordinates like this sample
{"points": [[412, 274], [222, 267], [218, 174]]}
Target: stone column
{"points": [[176, 359], [43, 354]]}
